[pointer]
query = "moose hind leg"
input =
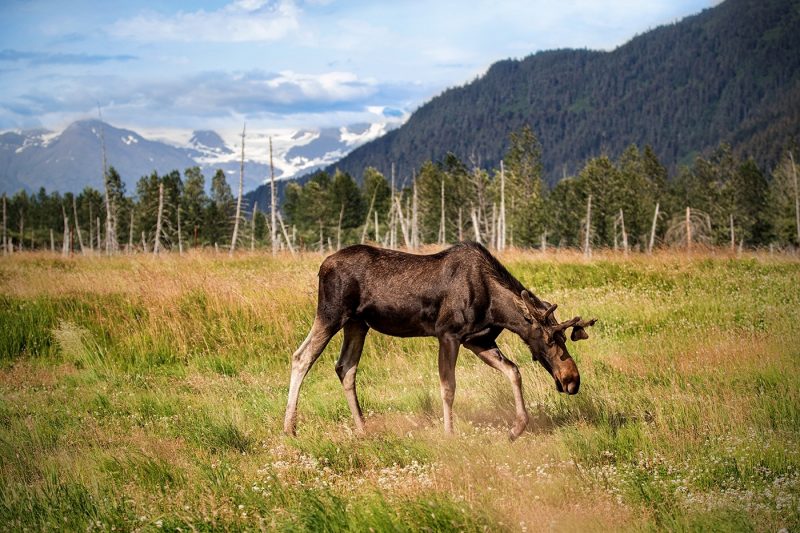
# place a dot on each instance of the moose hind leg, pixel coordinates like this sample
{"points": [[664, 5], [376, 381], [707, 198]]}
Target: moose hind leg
{"points": [[347, 366], [493, 357], [448, 353], [302, 360]]}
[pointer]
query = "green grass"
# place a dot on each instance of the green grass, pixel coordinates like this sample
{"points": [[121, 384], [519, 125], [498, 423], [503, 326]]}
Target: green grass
{"points": [[144, 394]]}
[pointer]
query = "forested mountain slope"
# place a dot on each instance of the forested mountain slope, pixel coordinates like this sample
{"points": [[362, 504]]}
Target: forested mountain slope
{"points": [[729, 74]]}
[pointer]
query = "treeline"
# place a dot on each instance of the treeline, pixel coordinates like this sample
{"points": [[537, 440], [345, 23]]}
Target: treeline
{"points": [[625, 203], [729, 73]]}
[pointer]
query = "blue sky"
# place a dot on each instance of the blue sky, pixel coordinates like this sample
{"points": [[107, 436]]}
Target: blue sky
{"points": [[281, 63]]}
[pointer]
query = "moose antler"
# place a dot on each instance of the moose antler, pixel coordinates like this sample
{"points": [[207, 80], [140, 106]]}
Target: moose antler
{"points": [[567, 324]]}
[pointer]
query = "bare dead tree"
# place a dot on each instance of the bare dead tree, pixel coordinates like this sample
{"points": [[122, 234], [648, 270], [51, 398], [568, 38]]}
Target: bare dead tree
{"points": [[273, 235], [733, 237], [460, 226], [286, 236], [403, 226], [339, 229], [53, 240], [692, 227], [501, 244], [22, 228], [391, 214], [544, 241], [796, 197], [99, 241], [180, 235], [653, 231], [91, 232], [369, 214], [253, 227], [442, 228], [377, 229], [619, 220], [587, 242], [65, 243], [144, 243], [130, 234], [111, 238], [239, 198], [5, 230], [157, 244], [414, 216], [688, 229], [475, 225], [77, 224]]}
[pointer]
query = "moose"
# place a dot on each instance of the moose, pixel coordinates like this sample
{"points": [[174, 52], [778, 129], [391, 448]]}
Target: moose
{"points": [[463, 296]]}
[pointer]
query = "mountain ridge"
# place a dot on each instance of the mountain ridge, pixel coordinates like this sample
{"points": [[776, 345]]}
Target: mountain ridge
{"points": [[730, 73]]}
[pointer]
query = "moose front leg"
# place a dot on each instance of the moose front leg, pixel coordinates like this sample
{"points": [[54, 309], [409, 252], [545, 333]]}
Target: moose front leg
{"points": [[448, 353], [492, 356]]}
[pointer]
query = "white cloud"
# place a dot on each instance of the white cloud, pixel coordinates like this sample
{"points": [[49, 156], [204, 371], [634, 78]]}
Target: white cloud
{"points": [[241, 21]]}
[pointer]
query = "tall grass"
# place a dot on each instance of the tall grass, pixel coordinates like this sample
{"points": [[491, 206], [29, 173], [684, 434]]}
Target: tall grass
{"points": [[145, 393]]}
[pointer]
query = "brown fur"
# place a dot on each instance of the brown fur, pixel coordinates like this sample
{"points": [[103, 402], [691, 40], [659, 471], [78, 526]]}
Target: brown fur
{"points": [[461, 296]]}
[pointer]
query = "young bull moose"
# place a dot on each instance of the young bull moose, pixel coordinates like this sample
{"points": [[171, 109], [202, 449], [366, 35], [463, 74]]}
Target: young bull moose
{"points": [[461, 296]]}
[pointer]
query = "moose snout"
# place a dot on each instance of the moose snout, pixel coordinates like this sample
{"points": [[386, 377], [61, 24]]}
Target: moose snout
{"points": [[569, 383]]}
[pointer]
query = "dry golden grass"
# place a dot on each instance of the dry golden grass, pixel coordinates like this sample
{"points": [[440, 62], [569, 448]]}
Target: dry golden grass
{"points": [[140, 392]]}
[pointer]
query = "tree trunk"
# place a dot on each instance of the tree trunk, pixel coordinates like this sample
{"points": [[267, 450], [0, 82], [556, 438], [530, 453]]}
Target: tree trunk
{"points": [[392, 221], [5, 228], [796, 197], [77, 224], [733, 237], [157, 244], [273, 236], [253, 227], [688, 229], [442, 229], [476, 226], [653, 232], [65, 243], [180, 235], [238, 199], [460, 227], [99, 241], [624, 233], [587, 242], [369, 214], [91, 228], [53, 240], [286, 236], [22, 229], [130, 234], [403, 226], [111, 242], [414, 218], [502, 221], [339, 230]]}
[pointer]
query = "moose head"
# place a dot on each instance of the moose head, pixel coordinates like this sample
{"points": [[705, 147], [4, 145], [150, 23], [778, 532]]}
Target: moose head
{"points": [[547, 341]]}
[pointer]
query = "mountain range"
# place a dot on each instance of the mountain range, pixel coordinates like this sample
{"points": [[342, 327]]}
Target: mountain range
{"points": [[72, 159], [728, 74]]}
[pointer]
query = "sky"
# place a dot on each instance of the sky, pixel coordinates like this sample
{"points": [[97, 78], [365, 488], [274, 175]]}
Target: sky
{"points": [[157, 66]]}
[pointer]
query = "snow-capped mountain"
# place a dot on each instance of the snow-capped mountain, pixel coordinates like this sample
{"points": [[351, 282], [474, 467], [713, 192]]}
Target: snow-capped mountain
{"points": [[72, 159]]}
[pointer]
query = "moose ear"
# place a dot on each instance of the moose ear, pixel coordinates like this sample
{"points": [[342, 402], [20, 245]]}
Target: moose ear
{"points": [[578, 334], [527, 306], [579, 331]]}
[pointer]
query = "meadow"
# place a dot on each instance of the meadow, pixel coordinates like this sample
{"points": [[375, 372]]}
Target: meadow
{"points": [[141, 393]]}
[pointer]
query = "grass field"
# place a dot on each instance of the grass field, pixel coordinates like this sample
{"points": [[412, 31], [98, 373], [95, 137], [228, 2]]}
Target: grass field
{"points": [[141, 393]]}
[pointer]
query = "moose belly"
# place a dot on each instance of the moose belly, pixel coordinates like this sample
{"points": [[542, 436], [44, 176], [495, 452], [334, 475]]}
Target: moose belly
{"points": [[416, 321]]}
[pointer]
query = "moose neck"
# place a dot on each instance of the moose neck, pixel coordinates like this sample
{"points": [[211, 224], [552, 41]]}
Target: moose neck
{"points": [[506, 313]]}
